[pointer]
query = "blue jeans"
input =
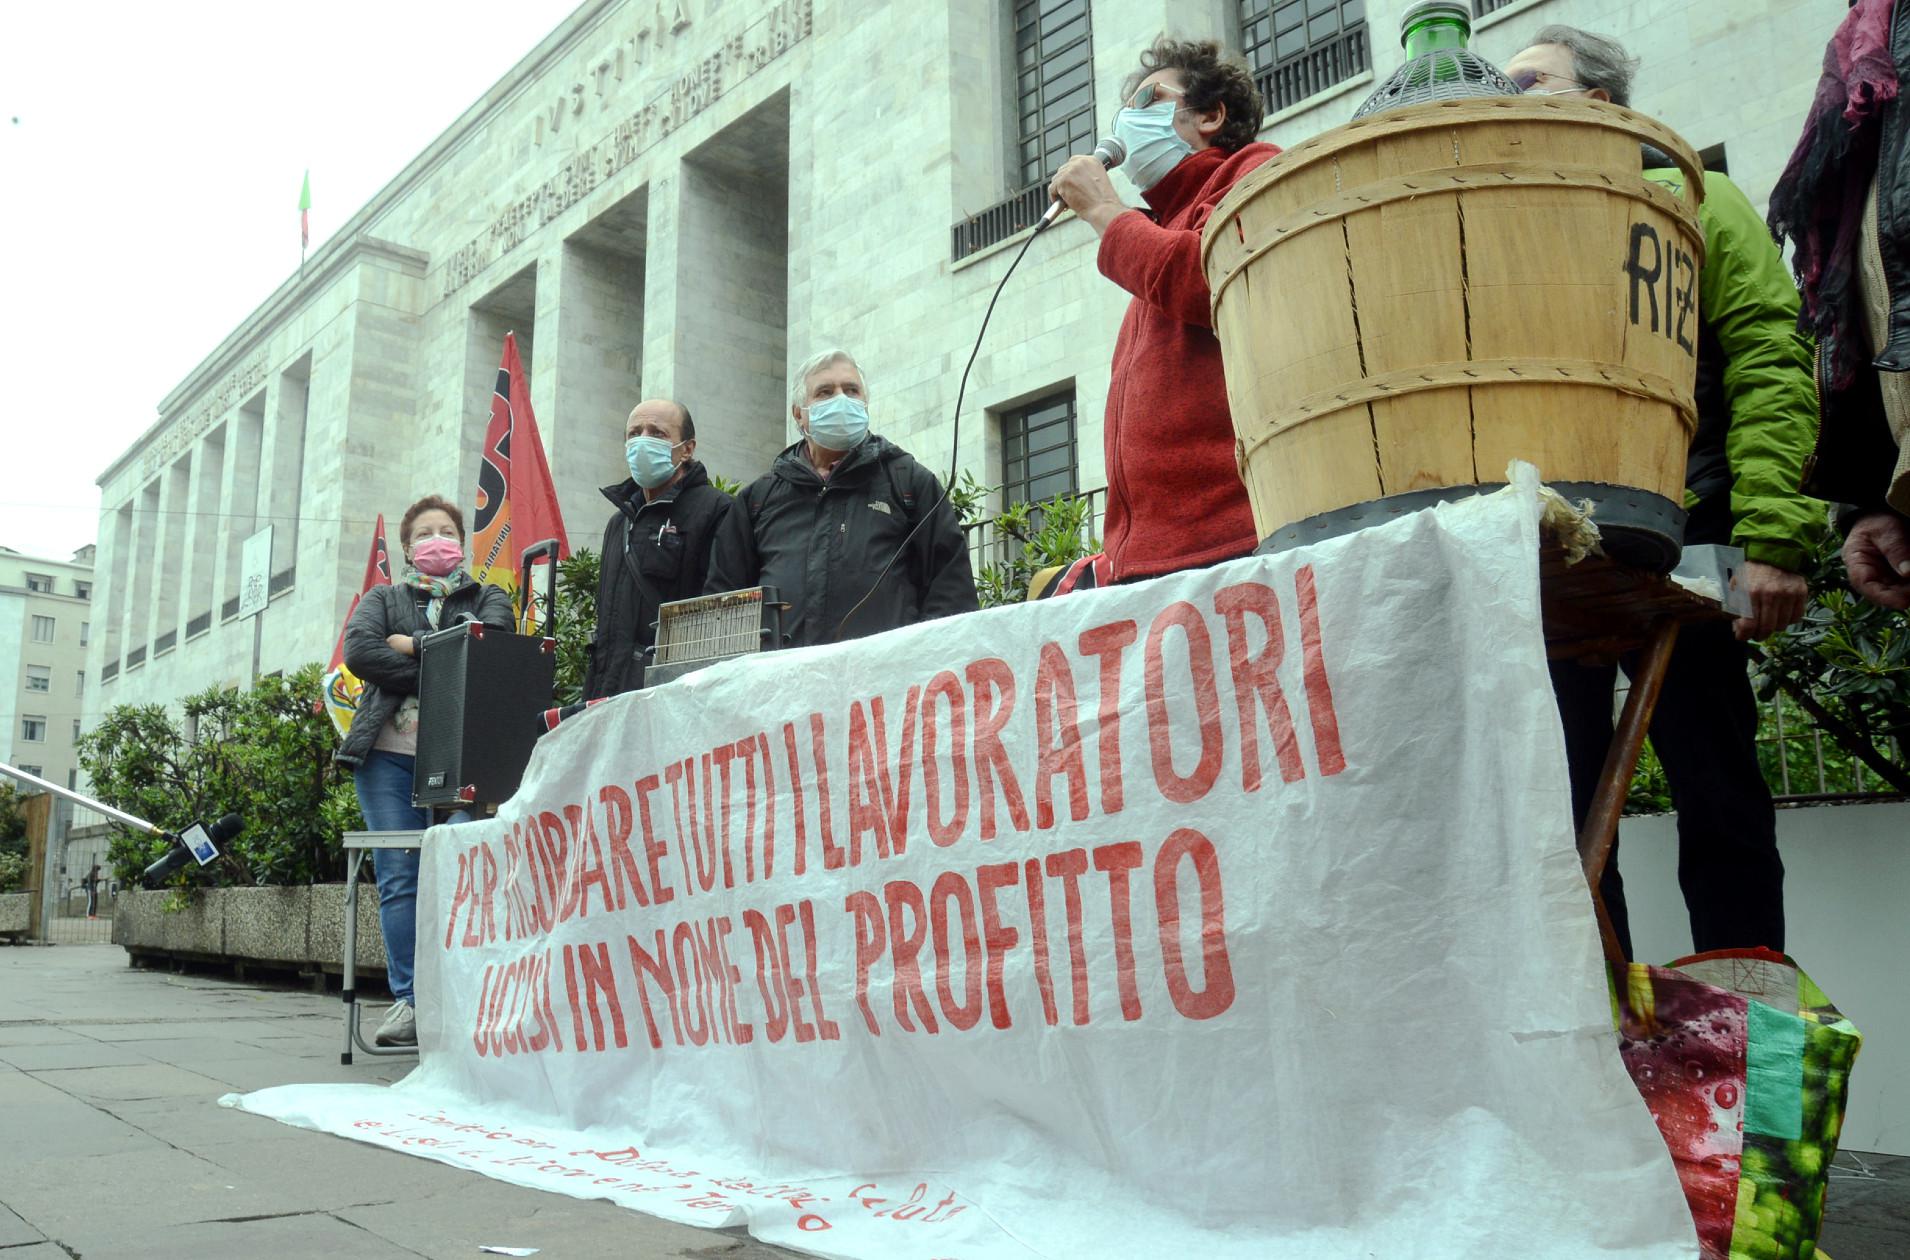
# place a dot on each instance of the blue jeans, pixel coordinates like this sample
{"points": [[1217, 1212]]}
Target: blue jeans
{"points": [[384, 797]]}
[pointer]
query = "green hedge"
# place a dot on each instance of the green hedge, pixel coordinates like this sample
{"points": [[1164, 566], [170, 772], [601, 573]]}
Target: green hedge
{"points": [[264, 753]]}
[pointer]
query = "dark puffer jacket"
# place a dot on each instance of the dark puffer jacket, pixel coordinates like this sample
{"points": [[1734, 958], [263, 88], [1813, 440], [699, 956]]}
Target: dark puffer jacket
{"points": [[654, 552], [1856, 449], [822, 544], [388, 674]]}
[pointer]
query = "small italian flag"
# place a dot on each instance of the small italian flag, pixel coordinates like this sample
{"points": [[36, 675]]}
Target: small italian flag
{"points": [[305, 213]]}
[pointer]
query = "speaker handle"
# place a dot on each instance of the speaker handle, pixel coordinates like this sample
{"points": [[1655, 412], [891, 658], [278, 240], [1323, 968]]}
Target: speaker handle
{"points": [[547, 548]]}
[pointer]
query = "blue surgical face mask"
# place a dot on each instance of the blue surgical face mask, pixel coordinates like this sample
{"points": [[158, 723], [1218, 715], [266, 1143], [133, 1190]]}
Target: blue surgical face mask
{"points": [[838, 423], [1153, 146], [652, 461]]}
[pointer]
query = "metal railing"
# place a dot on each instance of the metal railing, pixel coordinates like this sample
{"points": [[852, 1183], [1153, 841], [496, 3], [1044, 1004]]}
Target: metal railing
{"points": [[1803, 774], [1012, 214], [988, 545], [1810, 765], [1313, 71], [1482, 7]]}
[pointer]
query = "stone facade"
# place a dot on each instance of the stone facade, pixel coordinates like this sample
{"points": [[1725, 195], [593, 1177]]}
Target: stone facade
{"points": [[46, 615], [685, 198]]}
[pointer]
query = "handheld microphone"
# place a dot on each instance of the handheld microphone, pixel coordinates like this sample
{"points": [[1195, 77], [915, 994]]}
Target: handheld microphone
{"points": [[1111, 152], [198, 842]]}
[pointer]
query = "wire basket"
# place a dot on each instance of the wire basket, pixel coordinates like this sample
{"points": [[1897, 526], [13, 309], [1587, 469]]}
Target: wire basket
{"points": [[1444, 75]]}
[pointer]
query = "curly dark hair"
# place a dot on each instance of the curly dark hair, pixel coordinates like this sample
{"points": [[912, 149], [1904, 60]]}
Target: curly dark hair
{"points": [[430, 503], [1211, 78]]}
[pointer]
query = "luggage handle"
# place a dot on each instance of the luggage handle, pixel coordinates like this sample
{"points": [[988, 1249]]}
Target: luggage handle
{"points": [[547, 548]]}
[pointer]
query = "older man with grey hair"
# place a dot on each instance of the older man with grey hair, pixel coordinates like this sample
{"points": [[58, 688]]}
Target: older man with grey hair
{"points": [[853, 533], [1757, 416]]}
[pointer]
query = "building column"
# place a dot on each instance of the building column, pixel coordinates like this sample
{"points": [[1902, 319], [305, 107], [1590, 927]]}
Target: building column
{"points": [[596, 373]]}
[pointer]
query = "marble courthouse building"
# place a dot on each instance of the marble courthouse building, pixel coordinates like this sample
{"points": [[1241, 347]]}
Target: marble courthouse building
{"points": [[685, 198]]}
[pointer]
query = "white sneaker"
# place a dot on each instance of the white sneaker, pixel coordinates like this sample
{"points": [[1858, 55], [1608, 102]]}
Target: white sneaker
{"points": [[400, 1027]]}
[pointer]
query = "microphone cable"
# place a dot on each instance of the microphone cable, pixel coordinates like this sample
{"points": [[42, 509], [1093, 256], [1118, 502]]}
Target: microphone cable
{"points": [[955, 451]]}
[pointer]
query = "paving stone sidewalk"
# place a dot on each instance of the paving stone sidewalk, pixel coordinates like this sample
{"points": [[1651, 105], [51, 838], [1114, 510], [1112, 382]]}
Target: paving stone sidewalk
{"points": [[112, 1142]]}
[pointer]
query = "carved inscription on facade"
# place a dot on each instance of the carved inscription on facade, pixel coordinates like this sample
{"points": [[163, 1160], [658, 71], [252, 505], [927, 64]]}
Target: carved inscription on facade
{"points": [[701, 84], [233, 389]]}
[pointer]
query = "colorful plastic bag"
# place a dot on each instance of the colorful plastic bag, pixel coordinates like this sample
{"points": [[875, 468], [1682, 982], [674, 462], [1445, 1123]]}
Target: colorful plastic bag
{"points": [[1745, 1065]]}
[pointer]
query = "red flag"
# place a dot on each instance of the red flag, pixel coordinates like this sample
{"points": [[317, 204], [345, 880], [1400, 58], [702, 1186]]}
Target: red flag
{"points": [[516, 499], [377, 573]]}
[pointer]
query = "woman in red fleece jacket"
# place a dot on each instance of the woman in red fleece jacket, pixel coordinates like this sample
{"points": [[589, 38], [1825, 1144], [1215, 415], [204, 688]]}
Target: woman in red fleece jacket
{"points": [[1175, 498]]}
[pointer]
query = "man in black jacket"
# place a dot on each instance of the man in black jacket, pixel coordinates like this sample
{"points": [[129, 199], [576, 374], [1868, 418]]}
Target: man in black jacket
{"points": [[851, 531], [657, 545]]}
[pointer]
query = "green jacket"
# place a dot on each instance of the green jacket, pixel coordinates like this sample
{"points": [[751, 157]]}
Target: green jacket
{"points": [[1757, 402]]}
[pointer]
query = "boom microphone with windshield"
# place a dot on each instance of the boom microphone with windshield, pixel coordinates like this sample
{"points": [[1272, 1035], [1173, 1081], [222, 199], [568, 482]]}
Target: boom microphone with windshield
{"points": [[197, 842]]}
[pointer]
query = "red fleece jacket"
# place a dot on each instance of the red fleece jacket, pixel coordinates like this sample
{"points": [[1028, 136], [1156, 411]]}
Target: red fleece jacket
{"points": [[1175, 498]]}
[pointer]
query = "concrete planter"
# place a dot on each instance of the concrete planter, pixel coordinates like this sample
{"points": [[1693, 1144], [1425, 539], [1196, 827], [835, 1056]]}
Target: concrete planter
{"points": [[328, 926], [268, 924], [13, 912], [300, 927]]}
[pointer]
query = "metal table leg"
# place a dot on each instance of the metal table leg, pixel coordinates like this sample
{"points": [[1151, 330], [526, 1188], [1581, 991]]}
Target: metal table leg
{"points": [[354, 860], [356, 844], [1600, 832]]}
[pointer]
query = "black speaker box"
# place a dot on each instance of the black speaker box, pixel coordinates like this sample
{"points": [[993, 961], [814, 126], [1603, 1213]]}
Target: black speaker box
{"points": [[481, 692]]}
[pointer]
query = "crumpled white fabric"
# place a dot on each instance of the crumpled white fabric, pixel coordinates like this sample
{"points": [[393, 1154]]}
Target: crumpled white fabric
{"points": [[1418, 1059]]}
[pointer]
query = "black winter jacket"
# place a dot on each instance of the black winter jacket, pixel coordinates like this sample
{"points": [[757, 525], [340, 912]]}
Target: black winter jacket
{"points": [[654, 552], [1855, 449], [389, 675], [822, 544]]}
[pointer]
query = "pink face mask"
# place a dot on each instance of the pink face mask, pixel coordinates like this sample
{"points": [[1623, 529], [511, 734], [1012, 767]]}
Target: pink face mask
{"points": [[437, 557]]}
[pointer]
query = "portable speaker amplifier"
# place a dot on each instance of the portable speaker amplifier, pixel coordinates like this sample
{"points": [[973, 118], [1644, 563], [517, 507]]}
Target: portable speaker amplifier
{"points": [[481, 693]]}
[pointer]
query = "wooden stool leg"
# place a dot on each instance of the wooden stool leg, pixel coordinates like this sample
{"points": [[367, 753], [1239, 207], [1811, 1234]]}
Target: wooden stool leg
{"points": [[1600, 832]]}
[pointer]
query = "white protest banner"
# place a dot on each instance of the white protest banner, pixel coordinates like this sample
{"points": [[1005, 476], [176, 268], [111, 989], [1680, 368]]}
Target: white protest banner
{"points": [[1234, 913]]}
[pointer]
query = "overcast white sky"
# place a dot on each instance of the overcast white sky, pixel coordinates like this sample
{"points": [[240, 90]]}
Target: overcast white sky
{"points": [[150, 158]]}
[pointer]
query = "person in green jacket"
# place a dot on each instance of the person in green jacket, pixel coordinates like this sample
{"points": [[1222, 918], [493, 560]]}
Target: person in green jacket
{"points": [[1757, 421]]}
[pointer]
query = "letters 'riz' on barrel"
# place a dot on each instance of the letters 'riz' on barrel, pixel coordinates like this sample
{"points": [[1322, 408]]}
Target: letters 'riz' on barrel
{"points": [[1416, 299]]}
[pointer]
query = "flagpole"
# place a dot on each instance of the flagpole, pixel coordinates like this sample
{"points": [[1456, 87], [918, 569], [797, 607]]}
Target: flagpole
{"points": [[304, 222]]}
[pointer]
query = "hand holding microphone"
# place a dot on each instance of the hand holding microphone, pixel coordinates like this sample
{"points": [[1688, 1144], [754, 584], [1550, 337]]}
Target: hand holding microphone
{"points": [[1082, 185]]}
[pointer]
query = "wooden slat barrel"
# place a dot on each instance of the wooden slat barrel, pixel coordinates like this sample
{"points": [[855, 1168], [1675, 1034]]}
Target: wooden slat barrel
{"points": [[1407, 303]]}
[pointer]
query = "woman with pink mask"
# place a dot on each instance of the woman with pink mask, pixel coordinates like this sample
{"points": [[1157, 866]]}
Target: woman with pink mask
{"points": [[381, 647]]}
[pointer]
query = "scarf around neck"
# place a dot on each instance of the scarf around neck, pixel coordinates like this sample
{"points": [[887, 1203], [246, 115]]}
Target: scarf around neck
{"points": [[437, 588], [1818, 203]]}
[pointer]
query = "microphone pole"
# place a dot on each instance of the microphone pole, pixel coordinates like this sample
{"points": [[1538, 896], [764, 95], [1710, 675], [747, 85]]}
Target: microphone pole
{"points": [[1111, 153], [78, 798]]}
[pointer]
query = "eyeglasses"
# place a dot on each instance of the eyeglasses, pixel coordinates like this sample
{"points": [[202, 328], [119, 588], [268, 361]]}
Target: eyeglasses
{"points": [[1526, 80], [1151, 92]]}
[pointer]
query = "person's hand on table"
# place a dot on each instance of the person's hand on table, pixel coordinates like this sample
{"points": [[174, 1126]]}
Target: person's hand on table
{"points": [[1777, 599]]}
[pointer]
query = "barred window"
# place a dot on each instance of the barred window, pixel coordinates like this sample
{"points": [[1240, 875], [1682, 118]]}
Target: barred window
{"points": [[1297, 48], [1051, 112], [1038, 450], [1054, 85]]}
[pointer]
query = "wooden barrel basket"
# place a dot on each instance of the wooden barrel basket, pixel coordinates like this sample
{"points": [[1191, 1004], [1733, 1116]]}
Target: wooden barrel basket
{"points": [[1408, 303]]}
